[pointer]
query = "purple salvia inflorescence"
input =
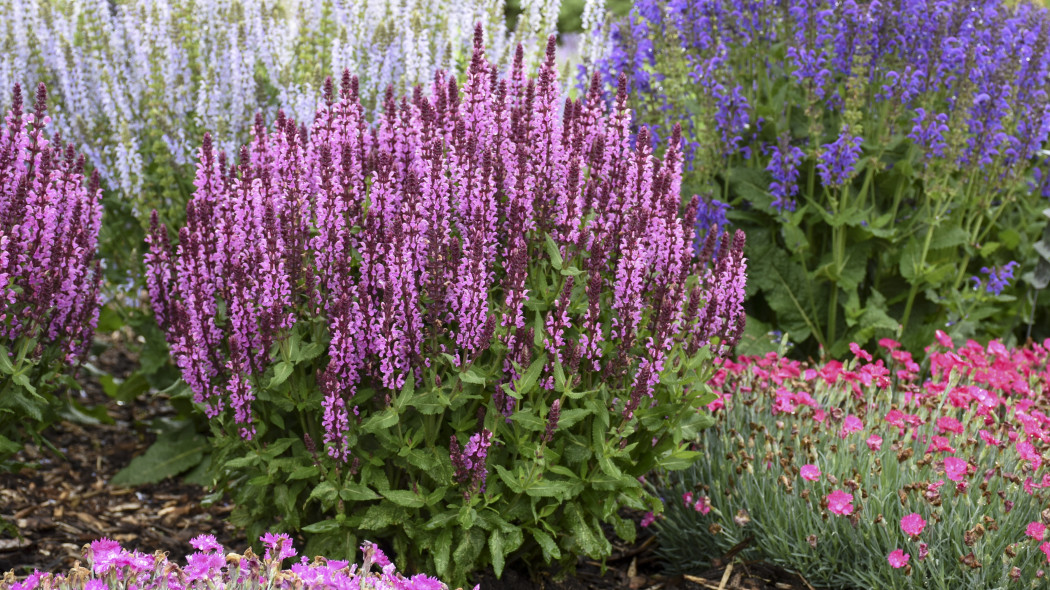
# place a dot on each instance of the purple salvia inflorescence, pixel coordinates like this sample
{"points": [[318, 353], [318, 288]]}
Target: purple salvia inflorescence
{"points": [[419, 234], [49, 223], [838, 158], [784, 166]]}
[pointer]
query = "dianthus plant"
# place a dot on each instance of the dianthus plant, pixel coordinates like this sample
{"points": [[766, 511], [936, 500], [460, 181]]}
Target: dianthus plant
{"points": [[111, 566], [875, 473], [49, 279], [467, 328], [878, 154]]}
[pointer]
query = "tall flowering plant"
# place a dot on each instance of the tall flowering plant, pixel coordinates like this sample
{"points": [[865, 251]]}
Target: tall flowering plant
{"points": [[468, 328], [136, 83], [879, 154], [875, 473], [49, 278]]}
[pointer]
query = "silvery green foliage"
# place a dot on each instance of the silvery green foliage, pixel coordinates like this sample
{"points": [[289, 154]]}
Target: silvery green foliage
{"points": [[143, 79]]}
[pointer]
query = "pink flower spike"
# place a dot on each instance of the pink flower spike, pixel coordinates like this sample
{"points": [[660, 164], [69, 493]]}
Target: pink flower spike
{"points": [[840, 502], [874, 442], [810, 472], [913, 524], [1036, 530], [955, 468], [898, 558]]}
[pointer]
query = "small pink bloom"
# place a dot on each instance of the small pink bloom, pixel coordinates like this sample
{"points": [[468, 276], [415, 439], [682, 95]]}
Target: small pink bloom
{"points": [[948, 424], [889, 344], [702, 505], [1045, 548], [924, 550], [898, 558], [874, 442], [944, 340], [850, 425], [687, 498], [810, 472], [648, 519], [955, 468], [840, 502], [913, 524], [859, 352], [1036, 530]]}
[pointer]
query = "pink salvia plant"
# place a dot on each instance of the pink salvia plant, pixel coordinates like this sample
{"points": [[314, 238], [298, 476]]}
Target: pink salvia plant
{"points": [[49, 222], [413, 237]]}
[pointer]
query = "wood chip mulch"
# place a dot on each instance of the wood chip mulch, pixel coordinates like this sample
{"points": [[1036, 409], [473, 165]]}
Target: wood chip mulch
{"points": [[61, 503]]}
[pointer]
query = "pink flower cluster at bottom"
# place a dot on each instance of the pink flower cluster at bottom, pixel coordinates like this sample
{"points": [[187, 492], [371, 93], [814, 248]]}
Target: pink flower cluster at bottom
{"points": [[110, 565]]}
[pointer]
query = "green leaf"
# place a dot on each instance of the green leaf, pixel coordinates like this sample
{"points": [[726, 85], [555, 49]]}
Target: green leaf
{"points": [[167, 457], [404, 498], [680, 459], [443, 546], [305, 472], [529, 420], [590, 542], [553, 252], [326, 493], [569, 418], [325, 526], [380, 421], [547, 544], [469, 549], [525, 384], [5, 362], [509, 479], [471, 376], [281, 372], [496, 552]]}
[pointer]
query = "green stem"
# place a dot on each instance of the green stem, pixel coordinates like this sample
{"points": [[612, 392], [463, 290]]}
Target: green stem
{"points": [[918, 279]]}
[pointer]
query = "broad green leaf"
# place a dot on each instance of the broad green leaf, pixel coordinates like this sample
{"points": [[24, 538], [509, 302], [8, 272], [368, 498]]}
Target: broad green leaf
{"points": [[496, 551], [281, 372], [380, 421], [404, 498], [326, 493], [547, 544], [167, 457], [324, 526], [553, 252]]}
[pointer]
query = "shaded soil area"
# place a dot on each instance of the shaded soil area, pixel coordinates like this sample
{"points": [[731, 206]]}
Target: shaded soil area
{"points": [[60, 503]]}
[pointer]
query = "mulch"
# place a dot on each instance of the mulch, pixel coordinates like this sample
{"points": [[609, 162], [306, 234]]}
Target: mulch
{"points": [[61, 503]]}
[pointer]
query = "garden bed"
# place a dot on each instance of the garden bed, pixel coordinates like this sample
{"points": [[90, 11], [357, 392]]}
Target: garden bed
{"points": [[61, 504]]}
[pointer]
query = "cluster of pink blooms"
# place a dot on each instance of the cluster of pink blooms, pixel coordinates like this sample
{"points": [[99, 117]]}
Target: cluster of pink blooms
{"points": [[111, 566], [416, 236], [49, 222], [973, 428]]}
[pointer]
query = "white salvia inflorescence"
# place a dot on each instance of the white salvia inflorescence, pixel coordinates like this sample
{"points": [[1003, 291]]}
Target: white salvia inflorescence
{"points": [[137, 80]]}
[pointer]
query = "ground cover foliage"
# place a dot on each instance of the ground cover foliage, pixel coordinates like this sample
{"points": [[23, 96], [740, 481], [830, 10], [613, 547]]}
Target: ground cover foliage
{"points": [[874, 473], [478, 311]]}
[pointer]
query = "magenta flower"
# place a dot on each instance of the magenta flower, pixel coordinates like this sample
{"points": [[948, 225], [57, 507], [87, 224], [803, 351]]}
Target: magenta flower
{"points": [[1045, 548], [1036, 530], [850, 425], [702, 505], [898, 558], [205, 543], [874, 442], [840, 502], [103, 554], [946, 424], [810, 472], [913, 524], [280, 544], [955, 468], [647, 519]]}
